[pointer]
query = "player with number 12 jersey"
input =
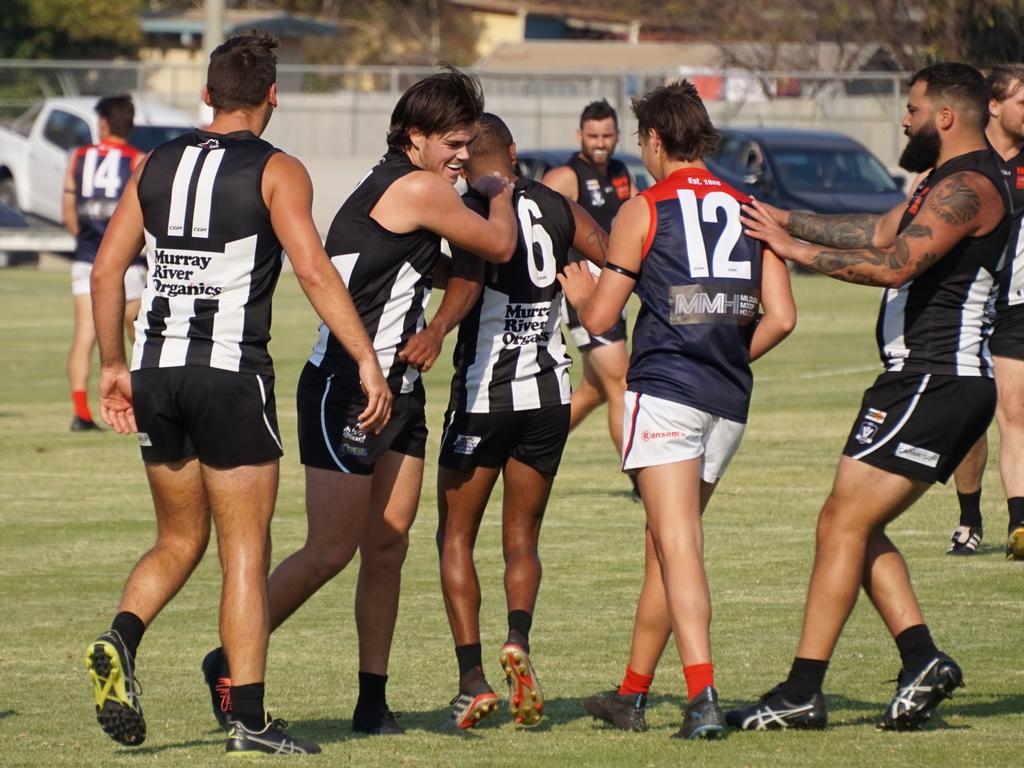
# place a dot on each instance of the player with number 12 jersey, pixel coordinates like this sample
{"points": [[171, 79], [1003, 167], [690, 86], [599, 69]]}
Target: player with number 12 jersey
{"points": [[703, 286]]}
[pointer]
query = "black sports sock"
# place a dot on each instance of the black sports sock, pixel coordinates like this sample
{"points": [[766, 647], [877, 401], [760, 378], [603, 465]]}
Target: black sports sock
{"points": [[806, 677], [247, 706], [970, 508], [130, 628], [916, 647], [468, 656], [519, 623], [372, 692], [1015, 506]]}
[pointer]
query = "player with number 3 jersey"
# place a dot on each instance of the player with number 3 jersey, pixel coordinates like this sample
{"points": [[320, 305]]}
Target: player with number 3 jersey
{"points": [[711, 301]]}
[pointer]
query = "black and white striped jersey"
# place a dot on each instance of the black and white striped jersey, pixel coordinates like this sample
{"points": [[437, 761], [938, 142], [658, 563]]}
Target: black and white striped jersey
{"points": [[212, 254], [389, 276], [937, 323], [510, 354], [1011, 274]]}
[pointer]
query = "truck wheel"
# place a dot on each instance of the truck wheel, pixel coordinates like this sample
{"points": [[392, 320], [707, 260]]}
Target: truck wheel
{"points": [[8, 193]]}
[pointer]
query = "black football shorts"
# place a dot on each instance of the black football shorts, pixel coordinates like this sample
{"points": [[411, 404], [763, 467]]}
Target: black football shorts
{"points": [[921, 425], [535, 437], [330, 438], [227, 419]]}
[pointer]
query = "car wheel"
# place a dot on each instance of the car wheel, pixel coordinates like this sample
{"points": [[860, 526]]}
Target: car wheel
{"points": [[8, 193]]}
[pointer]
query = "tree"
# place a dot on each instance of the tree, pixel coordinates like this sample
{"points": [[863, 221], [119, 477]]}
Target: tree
{"points": [[64, 29]]}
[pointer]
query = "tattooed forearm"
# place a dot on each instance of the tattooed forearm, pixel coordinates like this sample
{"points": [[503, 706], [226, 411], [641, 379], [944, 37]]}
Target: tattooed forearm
{"points": [[853, 231], [955, 201], [599, 239], [875, 266]]}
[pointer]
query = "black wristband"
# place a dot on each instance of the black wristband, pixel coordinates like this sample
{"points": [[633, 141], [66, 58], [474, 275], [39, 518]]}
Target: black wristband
{"points": [[622, 271]]}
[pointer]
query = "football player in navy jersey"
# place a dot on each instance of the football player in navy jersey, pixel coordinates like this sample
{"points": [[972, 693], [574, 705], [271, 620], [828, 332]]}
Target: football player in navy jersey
{"points": [[96, 176], [1005, 134], [702, 285], [217, 207], [937, 257], [508, 416]]}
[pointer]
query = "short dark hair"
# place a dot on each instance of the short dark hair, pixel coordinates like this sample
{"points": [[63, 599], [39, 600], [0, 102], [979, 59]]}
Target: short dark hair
{"points": [[599, 110], [119, 112], [438, 103], [241, 71], [677, 113], [1001, 80], [493, 135], [960, 83]]}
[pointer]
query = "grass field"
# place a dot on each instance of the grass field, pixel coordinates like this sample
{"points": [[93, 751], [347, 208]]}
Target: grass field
{"points": [[75, 513]]}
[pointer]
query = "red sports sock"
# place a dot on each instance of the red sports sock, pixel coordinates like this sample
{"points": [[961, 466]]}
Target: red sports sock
{"points": [[698, 677], [634, 683], [81, 403]]}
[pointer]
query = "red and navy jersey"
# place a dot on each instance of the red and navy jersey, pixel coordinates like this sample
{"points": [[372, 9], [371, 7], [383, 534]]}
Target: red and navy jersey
{"points": [[101, 172], [700, 292]]}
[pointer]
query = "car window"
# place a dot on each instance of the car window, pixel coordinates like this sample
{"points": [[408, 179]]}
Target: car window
{"points": [[836, 170], [23, 125], [532, 167], [66, 130], [728, 153], [149, 137]]}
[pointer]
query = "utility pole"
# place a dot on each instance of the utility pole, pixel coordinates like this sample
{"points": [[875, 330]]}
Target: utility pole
{"points": [[213, 28]]}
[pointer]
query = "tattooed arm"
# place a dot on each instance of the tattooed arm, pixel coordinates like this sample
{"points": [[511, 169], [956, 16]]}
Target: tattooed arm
{"points": [[965, 204], [590, 239], [853, 230]]}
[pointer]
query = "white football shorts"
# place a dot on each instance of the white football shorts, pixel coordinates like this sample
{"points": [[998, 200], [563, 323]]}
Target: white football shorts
{"points": [[657, 431], [134, 280]]}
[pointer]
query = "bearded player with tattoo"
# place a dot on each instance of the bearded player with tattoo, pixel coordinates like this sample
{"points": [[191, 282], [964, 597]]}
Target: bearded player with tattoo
{"points": [[936, 257]]}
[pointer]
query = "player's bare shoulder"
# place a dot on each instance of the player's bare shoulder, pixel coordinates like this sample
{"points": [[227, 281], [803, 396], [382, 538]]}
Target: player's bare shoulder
{"points": [[563, 180], [967, 199]]}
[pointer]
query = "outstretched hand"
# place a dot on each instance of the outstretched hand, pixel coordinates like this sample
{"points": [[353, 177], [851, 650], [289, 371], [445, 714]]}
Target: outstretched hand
{"points": [[760, 223], [578, 283], [116, 400]]}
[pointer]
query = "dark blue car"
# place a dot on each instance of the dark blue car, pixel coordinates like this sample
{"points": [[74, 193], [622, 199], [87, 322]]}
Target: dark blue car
{"points": [[801, 170]]}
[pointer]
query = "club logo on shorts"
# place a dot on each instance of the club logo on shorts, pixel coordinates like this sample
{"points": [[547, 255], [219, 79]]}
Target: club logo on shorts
{"points": [[466, 444], [647, 436], [354, 434], [144, 440], [917, 455], [866, 434], [875, 415]]}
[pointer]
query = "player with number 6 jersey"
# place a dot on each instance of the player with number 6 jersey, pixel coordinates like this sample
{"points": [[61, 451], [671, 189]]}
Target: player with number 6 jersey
{"points": [[508, 415], [711, 301]]}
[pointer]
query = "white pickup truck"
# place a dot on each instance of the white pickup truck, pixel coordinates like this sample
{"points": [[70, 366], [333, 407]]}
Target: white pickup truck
{"points": [[34, 151]]}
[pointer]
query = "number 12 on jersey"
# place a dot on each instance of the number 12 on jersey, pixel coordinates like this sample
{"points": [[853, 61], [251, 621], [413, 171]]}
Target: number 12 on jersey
{"points": [[711, 208]]}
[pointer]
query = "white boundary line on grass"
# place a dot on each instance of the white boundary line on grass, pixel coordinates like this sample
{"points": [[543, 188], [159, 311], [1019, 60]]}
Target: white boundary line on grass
{"points": [[819, 374]]}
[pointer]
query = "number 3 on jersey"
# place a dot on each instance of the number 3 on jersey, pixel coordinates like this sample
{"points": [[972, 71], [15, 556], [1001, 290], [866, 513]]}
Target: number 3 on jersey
{"points": [[696, 250], [538, 244]]}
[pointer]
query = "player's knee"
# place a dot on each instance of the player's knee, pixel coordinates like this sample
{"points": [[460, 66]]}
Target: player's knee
{"points": [[185, 547], [1011, 410], [386, 553]]}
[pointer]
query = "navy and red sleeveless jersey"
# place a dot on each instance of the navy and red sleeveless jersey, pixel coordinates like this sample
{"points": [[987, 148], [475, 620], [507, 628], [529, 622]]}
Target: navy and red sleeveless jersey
{"points": [[101, 173], [700, 293]]}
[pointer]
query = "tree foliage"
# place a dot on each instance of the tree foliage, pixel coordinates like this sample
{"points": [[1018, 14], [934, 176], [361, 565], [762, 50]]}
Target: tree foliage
{"points": [[65, 29]]}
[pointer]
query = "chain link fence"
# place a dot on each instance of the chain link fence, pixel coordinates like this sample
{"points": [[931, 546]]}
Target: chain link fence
{"points": [[331, 111]]}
